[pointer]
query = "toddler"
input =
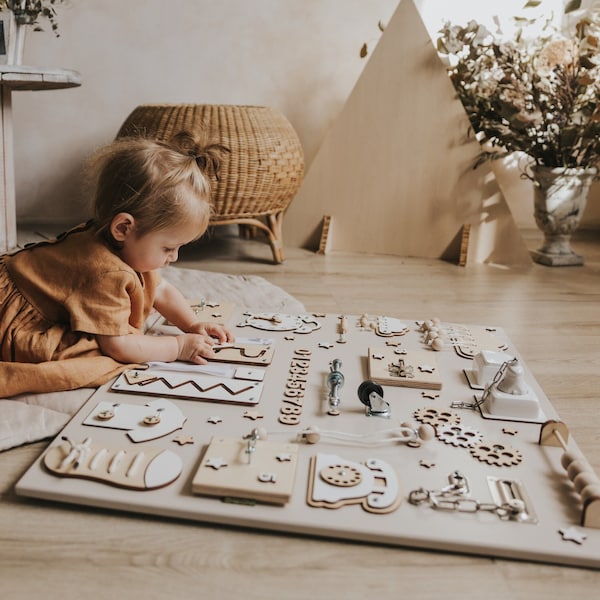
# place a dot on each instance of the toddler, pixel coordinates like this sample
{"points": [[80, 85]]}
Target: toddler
{"points": [[72, 310]]}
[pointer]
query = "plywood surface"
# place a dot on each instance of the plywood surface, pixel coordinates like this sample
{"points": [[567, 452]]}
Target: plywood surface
{"points": [[394, 173], [427, 466]]}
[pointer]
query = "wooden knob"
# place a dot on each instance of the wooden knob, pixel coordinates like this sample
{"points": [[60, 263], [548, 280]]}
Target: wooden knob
{"points": [[437, 344], [312, 435], [578, 466], [568, 457], [584, 479], [426, 432]]}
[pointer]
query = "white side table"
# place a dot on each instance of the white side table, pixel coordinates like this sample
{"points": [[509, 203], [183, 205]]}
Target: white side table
{"points": [[18, 77]]}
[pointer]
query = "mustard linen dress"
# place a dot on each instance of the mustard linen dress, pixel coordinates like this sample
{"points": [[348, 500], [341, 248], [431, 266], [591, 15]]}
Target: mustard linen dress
{"points": [[55, 297]]}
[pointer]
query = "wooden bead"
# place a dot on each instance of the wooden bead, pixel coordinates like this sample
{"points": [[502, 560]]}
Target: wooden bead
{"points": [[584, 479], [431, 335], [590, 492], [312, 435], [408, 424], [426, 432], [578, 466], [437, 344], [568, 457]]}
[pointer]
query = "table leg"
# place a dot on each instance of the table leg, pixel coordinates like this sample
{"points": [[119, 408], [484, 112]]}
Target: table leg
{"points": [[8, 216]]}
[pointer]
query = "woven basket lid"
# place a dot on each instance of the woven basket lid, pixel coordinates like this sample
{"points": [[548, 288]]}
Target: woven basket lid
{"points": [[264, 170]]}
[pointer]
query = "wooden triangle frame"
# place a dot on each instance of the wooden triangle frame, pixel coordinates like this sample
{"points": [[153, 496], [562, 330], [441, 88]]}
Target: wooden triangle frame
{"points": [[394, 174]]}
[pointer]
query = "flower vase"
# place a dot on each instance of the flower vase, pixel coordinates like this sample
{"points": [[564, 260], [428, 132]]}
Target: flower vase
{"points": [[560, 197], [20, 23], [17, 45]]}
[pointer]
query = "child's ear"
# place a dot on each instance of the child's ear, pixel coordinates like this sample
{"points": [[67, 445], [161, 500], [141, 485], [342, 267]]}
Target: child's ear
{"points": [[121, 226]]}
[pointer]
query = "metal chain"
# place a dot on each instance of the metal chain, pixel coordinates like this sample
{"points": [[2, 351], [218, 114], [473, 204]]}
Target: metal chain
{"points": [[488, 389], [453, 498]]}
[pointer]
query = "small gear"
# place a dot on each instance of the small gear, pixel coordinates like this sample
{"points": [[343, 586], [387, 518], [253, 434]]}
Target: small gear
{"points": [[459, 435], [498, 454], [436, 417]]}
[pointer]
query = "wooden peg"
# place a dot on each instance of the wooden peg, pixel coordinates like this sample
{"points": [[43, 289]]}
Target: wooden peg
{"points": [[554, 433]]}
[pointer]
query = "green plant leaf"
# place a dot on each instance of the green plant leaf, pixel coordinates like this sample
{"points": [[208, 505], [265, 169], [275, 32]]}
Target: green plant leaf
{"points": [[533, 3], [364, 50]]}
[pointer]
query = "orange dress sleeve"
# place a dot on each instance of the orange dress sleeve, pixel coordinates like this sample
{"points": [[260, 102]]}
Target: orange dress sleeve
{"points": [[111, 303]]}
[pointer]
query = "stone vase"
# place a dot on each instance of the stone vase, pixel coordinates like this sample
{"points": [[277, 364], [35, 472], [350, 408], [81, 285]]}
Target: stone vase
{"points": [[22, 19], [560, 197]]}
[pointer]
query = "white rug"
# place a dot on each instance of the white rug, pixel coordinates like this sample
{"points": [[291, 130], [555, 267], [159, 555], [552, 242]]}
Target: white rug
{"points": [[32, 417]]}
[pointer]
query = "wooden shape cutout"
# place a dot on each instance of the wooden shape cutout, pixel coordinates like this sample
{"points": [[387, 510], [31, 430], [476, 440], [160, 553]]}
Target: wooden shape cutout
{"points": [[334, 482], [395, 170], [228, 469], [554, 433], [244, 354], [192, 387], [469, 340], [413, 368], [207, 312], [132, 418], [281, 322], [146, 469]]}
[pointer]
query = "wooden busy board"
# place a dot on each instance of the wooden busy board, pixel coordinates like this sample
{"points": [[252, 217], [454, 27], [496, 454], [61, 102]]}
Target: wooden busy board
{"points": [[291, 461]]}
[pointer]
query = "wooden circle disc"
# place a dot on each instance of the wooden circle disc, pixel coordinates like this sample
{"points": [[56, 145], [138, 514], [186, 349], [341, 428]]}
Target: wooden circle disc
{"points": [[341, 475]]}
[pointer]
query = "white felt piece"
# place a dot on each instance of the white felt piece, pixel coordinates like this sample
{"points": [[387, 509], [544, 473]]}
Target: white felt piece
{"points": [[175, 384], [130, 418], [324, 491], [163, 469], [185, 367], [32, 417]]}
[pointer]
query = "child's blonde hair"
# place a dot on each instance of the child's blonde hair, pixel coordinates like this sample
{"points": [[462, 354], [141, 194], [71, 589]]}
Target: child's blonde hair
{"points": [[161, 184]]}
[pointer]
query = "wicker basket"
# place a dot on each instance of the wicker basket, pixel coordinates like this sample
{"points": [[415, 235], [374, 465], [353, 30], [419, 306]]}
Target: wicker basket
{"points": [[261, 175]]}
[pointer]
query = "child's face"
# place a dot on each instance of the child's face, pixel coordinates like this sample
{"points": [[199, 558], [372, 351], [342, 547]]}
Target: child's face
{"points": [[156, 249]]}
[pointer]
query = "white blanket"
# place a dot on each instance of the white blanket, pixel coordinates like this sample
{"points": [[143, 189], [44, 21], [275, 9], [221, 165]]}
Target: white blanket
{"points": [[32, 417]]}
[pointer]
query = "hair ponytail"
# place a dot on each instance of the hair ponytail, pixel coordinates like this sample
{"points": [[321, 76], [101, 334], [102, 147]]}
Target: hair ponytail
{"points": [[160, 183], [208, 157]]}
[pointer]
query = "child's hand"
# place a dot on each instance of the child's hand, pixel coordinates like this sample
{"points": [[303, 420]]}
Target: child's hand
{"points": [[195, 348], [219, 333]]}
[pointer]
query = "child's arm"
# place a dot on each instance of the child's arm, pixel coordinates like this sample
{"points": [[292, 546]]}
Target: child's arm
{"points": [[171, 304], [193, 346]]}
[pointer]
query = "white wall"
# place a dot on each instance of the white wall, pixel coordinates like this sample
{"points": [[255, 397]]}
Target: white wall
{"points": [[299, 56]]}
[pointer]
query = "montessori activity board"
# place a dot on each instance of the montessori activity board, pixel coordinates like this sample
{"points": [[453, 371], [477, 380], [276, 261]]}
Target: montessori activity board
{"points": [[409, 432]]}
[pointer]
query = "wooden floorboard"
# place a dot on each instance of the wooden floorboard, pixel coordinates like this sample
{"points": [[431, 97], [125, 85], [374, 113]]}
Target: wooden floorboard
{"points": [[551, 314]]}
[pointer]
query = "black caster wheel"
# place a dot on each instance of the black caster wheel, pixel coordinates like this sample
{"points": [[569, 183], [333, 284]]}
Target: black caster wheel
{"points": [[366, 388]]}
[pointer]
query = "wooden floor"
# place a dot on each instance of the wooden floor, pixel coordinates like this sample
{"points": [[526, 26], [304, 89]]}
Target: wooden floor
{"points": [[551, 314]]}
